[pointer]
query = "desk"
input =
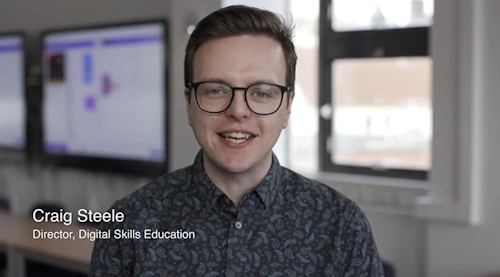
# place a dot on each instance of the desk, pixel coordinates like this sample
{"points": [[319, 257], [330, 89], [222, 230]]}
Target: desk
{"points": [[16, 237]]}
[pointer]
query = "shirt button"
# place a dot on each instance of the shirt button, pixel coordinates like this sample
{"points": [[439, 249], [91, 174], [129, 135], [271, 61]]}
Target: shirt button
{"points": [[238, 225]]}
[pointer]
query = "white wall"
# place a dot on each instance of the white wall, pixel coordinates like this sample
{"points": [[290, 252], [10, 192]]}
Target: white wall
{"points": [[454, 251], [400, 240]]}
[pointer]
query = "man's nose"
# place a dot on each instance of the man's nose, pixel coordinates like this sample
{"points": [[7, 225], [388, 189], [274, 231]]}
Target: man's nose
{"points": [[238, 108]]}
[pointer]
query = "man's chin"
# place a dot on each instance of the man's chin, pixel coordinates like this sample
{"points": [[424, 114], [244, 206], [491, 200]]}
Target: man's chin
{"points": [[232, 162], [235, 166]]}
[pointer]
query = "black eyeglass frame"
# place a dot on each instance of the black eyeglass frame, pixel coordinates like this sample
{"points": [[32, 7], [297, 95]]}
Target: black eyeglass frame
{"points": [[195, 86]]}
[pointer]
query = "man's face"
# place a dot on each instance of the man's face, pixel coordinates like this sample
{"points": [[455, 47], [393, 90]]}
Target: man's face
{"points": [[239, 62]]}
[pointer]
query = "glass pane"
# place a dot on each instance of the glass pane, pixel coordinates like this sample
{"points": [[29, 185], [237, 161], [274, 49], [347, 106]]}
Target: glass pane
{"points": [[354, 15], [382, 112], [276, 6], [303, 128]]}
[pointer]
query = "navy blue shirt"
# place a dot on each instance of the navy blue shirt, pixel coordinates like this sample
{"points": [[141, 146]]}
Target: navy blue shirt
{"points": [[183, 225]]}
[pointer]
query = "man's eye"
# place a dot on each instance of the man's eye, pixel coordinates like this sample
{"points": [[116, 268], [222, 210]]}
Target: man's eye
{"points": [[261, 94], [216, 91]]}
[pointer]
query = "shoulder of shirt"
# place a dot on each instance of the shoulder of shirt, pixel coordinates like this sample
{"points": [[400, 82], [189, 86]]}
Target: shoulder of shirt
{"points": [[327, 194], [153, 190]]}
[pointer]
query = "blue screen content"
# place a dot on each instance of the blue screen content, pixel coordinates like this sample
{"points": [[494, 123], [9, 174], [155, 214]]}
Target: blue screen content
{"points": [[12, 99], [104, 92]]}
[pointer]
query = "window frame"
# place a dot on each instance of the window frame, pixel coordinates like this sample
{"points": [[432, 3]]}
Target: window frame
{"points": [[404, 42]]}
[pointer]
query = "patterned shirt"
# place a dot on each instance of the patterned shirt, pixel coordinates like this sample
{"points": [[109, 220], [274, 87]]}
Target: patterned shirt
{"points": [[183, 225]]}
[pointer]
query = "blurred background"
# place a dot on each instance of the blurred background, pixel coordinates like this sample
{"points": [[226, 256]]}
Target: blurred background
{"points": [[395, 106]]}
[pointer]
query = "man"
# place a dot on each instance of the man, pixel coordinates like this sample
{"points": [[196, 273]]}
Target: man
{"points": [[245, 214]]}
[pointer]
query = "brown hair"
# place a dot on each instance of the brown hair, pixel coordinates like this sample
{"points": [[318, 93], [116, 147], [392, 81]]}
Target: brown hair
{"points": [[241, 20]]}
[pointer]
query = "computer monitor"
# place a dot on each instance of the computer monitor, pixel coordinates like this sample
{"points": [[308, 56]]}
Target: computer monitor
{"points": [[105, 97], [13, 126]]}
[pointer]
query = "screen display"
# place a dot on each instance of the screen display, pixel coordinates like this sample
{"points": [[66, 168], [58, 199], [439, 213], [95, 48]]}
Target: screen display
{"points": [[12, 97], [104, 92]]}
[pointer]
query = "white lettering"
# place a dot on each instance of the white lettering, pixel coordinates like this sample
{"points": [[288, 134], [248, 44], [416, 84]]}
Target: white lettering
{"points": [[36, 234], [40, 215], [82, 234], [41, 234], [179, 234], [90, 216], [93, 235], [147, 234], [127, 234], [34, 215]]}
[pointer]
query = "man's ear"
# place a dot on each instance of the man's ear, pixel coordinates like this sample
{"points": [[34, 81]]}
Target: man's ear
{"points": [[188, 104], [289, 99]]}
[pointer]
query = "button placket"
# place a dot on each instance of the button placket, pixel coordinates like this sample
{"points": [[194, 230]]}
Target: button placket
{"points": [[235, 243]]}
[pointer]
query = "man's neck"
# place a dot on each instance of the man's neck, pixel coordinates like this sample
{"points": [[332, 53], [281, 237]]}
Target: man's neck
{"points": [[235, 185]]}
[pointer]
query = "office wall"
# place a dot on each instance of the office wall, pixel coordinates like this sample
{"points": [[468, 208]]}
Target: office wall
{"points": [[33, 16], [401, 240], [457, 251], [75, 188]]}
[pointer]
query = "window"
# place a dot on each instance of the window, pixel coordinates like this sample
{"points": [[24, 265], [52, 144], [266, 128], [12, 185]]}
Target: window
{"points": [[356, 15], [303, 127], [375, 115]]}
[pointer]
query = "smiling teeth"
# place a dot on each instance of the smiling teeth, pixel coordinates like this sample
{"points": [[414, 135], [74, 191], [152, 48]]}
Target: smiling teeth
{"points": [[238, 141], [237, 137]]}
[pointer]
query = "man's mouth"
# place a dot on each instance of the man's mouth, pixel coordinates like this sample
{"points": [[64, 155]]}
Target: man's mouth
{"points": [[237, 137]]}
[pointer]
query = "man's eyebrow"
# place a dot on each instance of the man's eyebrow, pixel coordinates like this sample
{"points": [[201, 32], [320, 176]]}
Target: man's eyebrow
{"points": [[260, 81], [263, 81], [213, 80]]}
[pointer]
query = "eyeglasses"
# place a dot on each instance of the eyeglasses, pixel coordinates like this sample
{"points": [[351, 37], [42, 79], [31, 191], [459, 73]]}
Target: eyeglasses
{"points": [[216, 97]]}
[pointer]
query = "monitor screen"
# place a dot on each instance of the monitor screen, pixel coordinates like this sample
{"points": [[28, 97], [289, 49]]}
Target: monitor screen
{"points": [[104, 92], [12, 92]]}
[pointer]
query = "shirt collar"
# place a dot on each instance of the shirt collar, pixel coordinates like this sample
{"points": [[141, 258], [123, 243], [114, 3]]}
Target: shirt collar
{"points": [[209, 193]]}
